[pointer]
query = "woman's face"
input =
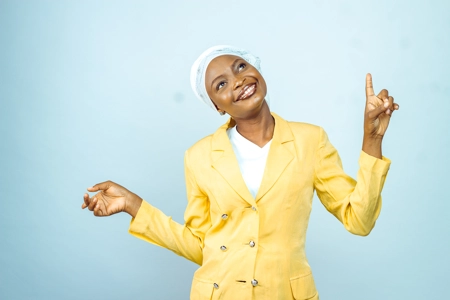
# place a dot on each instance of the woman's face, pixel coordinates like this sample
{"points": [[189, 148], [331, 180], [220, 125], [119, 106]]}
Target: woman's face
{"points": [[235, 86]]}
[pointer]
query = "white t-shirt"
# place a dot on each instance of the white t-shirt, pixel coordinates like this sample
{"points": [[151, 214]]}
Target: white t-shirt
{"points": [[251, 158]]}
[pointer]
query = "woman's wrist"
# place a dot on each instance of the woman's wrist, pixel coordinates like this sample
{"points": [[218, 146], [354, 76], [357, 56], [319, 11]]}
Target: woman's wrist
{"points": [[372, 146], [133, 204]]}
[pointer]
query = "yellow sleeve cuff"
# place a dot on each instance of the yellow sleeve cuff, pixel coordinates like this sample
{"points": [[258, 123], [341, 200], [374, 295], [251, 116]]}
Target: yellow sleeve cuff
{"points": [[139, 223], [374, 164]]}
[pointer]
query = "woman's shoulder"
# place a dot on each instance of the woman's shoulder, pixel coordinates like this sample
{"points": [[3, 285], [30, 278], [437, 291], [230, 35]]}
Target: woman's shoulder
{"points": [[303, 134], [306, 134], [215, 141], [201, 145]]}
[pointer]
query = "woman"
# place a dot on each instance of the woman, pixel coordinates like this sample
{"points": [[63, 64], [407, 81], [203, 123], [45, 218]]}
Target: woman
{"points": [[250, 187]]}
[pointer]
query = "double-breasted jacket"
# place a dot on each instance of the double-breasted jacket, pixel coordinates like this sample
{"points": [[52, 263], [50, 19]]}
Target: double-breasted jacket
{"points": [[254, 248]]}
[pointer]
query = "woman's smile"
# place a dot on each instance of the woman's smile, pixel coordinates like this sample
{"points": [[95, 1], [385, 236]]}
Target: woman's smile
{"points": [[247, 91]]}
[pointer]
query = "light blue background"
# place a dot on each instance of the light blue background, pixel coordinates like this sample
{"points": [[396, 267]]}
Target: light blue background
{"points": [[98, 90]]}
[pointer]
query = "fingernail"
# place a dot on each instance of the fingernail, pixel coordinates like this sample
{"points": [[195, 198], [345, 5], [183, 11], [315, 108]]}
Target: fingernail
{"points": [[386, 104], [95, 200]]}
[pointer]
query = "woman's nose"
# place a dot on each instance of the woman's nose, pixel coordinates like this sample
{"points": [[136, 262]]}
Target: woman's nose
{"points": [[239, 82]]}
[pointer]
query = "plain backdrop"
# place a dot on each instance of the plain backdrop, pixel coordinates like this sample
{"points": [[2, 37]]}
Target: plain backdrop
{"points": [[98, 90]]}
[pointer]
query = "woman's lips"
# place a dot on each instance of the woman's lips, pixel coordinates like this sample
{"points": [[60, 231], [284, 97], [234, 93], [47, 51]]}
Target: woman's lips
{"points": [[247, 91]]}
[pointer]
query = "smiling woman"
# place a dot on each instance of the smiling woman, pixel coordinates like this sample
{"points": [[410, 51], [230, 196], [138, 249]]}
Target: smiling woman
{"points": [[250, 187]]}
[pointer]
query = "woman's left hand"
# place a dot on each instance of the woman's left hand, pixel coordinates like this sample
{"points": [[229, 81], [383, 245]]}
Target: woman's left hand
{"points": [[378, 111]]}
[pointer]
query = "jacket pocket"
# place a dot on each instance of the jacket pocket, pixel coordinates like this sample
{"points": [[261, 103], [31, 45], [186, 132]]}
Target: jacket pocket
{"points": [[201, 290], [303, 287]]}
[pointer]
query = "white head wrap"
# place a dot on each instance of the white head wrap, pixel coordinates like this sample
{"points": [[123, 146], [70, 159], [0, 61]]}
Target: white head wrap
{"points": [[198, 69]]}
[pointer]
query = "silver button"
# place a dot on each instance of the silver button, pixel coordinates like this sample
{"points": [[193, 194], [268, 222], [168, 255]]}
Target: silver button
{"points": [[254, 282], [254, 208], [216, 286], [223, 248], [224, 216], [252, 244]]}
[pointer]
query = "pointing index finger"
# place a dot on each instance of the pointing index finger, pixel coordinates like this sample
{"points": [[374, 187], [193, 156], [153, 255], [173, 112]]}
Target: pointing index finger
{"points": [[369, 86]]}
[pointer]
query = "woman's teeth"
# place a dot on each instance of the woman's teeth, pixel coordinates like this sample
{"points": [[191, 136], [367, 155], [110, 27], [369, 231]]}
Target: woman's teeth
{"points": [[248, 91]]}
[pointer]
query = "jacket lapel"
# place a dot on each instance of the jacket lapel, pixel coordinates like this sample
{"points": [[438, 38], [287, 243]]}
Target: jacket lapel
{"points": [[279, 155], [225, 162]]}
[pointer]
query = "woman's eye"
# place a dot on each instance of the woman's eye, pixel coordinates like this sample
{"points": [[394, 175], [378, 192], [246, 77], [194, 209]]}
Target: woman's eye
{"points": [[220, 85], [241, 66]]}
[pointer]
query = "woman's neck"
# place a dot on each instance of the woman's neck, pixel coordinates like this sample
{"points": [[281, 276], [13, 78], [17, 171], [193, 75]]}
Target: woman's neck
{"points": [[258, 129]]}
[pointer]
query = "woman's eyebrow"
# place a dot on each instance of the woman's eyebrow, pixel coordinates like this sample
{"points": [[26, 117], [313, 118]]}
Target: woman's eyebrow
{"points": [[233, 66]]}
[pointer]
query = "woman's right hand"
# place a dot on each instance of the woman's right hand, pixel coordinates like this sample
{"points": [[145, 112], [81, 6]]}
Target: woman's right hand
{"points": [[111, 199]]}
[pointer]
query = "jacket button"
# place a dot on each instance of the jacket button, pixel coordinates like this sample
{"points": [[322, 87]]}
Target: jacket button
{"points": [[216, 286], [223, 248], [224, 216], [254, 208], [252, 244], [254, 282]]}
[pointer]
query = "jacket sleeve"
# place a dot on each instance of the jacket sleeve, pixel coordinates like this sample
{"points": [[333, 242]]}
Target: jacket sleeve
{"points": [[356, 204], [153, 226]]}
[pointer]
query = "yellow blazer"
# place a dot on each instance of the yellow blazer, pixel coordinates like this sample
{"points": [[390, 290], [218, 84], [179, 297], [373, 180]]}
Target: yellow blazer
{"points": [[251, 248]]}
